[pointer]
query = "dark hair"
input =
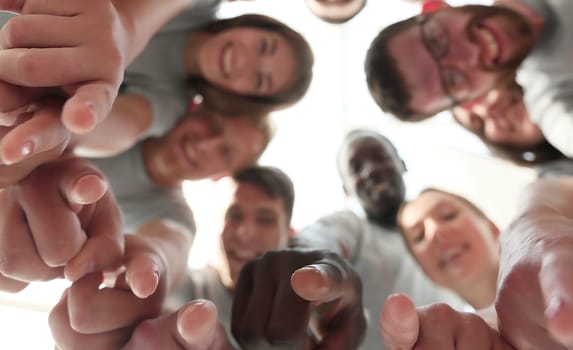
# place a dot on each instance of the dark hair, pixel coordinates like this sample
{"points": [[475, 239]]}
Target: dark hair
{"points": [[232, 103], [356, 133], [272, 181], [384, 80], [345, 17]]}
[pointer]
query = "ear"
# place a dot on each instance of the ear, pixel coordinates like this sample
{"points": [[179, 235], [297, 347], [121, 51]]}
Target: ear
{"points": [[494, 229], [430, 6]]}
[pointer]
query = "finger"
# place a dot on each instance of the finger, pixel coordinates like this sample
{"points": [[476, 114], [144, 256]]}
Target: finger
{"points": [[15, 100], [89, 104], [142, 275], [87, 189], [19, 257], [11, 285], [197, 324], [474, 334], [318, 282], [63, 8], [39, 31], [39, 134], [68, 339], [399, 322], [557, 288], [105, 245], [95, 310]]}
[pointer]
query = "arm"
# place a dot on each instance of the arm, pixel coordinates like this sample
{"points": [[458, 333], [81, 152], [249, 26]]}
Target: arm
{"points": [[536, 256]]}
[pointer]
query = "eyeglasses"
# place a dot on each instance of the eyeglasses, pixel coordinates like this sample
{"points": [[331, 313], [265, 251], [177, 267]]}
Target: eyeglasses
{"points": [[436, 40]]}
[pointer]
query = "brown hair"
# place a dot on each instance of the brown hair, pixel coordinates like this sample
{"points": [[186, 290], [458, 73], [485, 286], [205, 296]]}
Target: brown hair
{"points": [[384, 80], [232, 103]]}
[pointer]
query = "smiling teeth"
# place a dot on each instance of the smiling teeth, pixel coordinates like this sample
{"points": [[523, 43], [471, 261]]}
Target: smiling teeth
{"points": [[227, 61], [491, 43], [449, 255]]}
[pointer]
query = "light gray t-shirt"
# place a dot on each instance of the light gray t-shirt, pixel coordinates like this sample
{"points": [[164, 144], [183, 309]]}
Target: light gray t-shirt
{"points": [[139, 198], [547, 74], [205, 284], [383, 262], [158, 73]]}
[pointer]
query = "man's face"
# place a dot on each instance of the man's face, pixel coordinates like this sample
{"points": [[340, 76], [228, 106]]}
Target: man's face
{"points": [[372, 172], [334, 9], [456, 54], [205, 144], [254, 224]]}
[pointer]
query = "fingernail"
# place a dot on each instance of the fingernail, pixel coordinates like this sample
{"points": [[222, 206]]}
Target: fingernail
{"points": [[556, 305], [27, 148], [25, 151]]}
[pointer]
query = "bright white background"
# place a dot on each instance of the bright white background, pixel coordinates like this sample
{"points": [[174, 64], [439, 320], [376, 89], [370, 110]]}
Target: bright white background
{"points": [[436, 152]]}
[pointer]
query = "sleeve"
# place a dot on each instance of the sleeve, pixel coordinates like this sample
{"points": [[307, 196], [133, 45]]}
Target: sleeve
{"points": [[161, 204], [197, 13], [341, 232], [554, 116]]}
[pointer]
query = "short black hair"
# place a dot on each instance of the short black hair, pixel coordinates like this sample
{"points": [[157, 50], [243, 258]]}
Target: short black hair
{"points": [[383, 77], [273, 181]]}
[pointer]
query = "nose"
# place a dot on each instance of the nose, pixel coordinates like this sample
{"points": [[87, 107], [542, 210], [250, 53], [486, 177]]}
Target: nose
{"points": [[246, 231], [463, 54], [437, 231], [245, 61], [366, 170]]}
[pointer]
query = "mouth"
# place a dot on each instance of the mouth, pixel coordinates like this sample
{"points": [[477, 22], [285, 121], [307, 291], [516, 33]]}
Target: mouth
{"points": [[226, 60], [452, 255], [491, 44]]}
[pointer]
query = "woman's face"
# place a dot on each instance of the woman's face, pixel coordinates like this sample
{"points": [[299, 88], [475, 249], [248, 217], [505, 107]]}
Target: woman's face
{"points": [[453, 244], [501, 117], [205, 144], [248, 61]]}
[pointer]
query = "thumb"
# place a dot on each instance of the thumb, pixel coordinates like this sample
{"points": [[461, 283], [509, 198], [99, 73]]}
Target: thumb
{"points": [[197, 324], [399, 322], [318, 282], [557, 287]]}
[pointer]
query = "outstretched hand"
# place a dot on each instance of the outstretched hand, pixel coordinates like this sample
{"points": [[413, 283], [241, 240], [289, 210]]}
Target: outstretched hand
{"points": [[437, 326], [303, 299], [58, 220]]}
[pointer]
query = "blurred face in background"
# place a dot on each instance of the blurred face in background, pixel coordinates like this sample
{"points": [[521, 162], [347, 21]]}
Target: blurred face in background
{"points": [[455, 245], [254, 224]]}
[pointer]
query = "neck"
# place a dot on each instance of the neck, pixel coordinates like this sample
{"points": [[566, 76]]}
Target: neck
{"points": [[153, 163], [192, 50], [480, 295], [535, 20]]}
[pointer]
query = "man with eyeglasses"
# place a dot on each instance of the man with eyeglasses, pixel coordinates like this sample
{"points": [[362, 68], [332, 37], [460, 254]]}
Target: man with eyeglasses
{"points": [[429, 63]]}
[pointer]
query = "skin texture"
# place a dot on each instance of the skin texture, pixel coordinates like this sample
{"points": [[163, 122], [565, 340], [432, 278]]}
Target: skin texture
{"points": [[467, 31], [456, 246], [501, 117], [279, 293], [73, 197], [246, 61]]}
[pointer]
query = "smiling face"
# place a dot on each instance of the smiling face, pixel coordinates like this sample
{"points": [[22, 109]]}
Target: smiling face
{"points": [[336, 11], [500, 117], [461, 52], [205, 144], [372, 171], [454, 244], [255, 223], [248, 61]]}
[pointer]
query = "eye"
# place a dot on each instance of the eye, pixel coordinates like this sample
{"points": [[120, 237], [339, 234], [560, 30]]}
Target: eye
{"points": [[234, 215], [259, 82], [454, 80], [263, 46], [436, 38], [418, 236], [266, 220], [449, 215], [476, 123]]}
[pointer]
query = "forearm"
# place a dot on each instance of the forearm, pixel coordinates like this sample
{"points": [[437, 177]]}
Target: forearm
{"points": [[172, 243], [144, 18]]}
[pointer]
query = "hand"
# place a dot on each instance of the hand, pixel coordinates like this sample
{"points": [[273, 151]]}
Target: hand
{"points": [[283, 294], [34, 137], [535, 293], [59, 220], [95, 316], [193, 327], [436, 326], [80, 47]]}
